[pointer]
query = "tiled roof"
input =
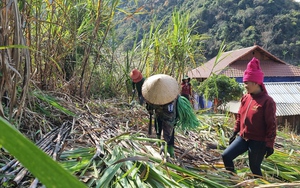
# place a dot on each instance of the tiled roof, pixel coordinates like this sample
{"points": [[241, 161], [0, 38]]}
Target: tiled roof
{"points": [[285, 94], [230, 64], [270, 69]]}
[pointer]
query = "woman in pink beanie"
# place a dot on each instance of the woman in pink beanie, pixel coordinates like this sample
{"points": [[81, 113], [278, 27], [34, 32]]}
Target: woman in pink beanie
{"points": [[255, 123]]}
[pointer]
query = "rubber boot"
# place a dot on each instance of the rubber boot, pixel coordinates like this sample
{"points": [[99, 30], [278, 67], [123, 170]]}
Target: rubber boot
{"points": [[171, 151]]}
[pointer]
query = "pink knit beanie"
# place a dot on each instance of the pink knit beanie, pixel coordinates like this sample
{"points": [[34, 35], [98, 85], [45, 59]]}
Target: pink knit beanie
{"points": [[253, 73]]}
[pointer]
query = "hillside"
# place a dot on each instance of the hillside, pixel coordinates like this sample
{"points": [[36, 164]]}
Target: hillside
{"points": [[274, 25]]}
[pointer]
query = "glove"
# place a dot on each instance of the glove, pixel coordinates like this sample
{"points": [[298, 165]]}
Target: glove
{"points": [[133, 91], [232, 138], [269, 151]]}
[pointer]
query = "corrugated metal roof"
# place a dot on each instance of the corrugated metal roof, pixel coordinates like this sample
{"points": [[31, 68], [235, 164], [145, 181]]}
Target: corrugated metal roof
{"points": [[285, 94], [282, 109], [287, 109]]}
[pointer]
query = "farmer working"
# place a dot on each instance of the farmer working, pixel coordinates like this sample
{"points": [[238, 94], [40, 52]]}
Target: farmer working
{"points": [[255, 123], [137, 83], [161, 93], [186, 88]]}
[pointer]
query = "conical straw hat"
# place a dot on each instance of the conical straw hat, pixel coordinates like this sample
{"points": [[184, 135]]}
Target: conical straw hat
{"points": [[160, 89]]}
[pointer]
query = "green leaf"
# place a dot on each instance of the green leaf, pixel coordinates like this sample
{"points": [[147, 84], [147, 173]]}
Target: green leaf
{"points": [[111, 172], [48, 171], [53, 102]]}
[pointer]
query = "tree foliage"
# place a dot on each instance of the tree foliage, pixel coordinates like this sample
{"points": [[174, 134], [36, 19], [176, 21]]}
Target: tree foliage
{"points": [[274, 25], [77, 48], [220, 87]]}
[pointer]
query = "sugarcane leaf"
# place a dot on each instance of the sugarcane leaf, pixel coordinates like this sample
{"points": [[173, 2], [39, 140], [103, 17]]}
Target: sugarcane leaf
{"points": [[53, 102], [49, 172], [134, 158], [111, 171]]}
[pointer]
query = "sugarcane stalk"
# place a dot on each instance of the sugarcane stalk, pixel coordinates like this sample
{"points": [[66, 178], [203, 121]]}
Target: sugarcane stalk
{"points": [[20, 176], [34, 184]]}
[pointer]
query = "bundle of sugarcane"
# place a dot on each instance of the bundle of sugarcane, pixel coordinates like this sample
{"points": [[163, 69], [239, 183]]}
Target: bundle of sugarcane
{"points": [[186, 116]]}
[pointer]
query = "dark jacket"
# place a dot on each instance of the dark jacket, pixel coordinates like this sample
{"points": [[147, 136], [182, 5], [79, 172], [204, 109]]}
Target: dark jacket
{"points": [[167, 112], [138, 86]]}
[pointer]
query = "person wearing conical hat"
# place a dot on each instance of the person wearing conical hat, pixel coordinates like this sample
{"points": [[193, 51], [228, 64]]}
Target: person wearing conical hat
{"points": [[160, 92], [162, 95], [137, 83], [255, 123]]}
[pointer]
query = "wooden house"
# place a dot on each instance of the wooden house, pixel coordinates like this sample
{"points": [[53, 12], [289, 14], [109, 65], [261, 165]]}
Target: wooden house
{"points": [[282, 80], [233, 63]]}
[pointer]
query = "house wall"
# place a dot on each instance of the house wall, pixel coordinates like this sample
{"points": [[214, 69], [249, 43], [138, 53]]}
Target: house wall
{"points": [[273, 79], [247, 57], [257, 54], [291, 122]]}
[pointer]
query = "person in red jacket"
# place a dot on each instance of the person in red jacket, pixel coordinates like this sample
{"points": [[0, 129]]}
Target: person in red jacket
{"points": [[186, 88], [137, 83], [255, 123]]}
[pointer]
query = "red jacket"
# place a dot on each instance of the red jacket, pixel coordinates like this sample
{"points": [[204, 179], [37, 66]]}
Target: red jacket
{"points": [[256, 119], [186, 88]]}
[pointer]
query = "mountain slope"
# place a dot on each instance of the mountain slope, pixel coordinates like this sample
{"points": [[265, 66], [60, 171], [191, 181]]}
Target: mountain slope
{"points": [[274, 25]]}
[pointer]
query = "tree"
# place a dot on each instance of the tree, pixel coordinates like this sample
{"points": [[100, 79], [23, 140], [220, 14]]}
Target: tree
{"points": [[220, 89]]}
